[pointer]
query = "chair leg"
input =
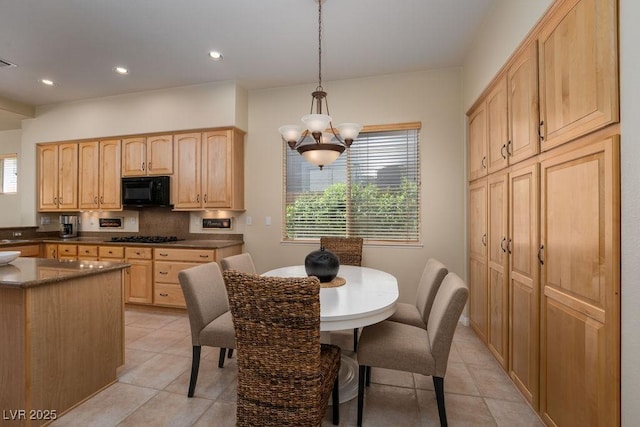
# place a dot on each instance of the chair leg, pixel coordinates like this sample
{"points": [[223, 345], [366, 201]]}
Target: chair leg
{"points": [[361, 374], [335, 396], [355, 339], [368, 376], [438, 384], [223, 351], [195, 365], [230, 353]]}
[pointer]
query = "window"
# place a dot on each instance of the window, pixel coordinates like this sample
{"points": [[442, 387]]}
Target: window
{"points": [[9, 173], [372, 191]]}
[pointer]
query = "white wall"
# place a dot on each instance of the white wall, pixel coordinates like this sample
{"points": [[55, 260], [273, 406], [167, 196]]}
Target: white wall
{"points": [[188, 107], [10, 214], [432, 98], [491, 51], [500, 34], [629, 159]]}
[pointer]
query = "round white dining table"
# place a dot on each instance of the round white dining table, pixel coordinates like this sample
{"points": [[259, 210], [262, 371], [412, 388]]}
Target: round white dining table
{"points": [[369, 296]]}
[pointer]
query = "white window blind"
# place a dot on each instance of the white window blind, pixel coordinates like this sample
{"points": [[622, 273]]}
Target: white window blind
{"points": [[9, 173], [372, 191]]}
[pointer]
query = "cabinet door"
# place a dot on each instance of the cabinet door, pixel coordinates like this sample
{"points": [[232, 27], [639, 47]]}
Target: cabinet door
{"points": [[478, 292], [580, 308], [139, 281], [88, 171], [524, 286], [68, 176], [477, 147], [134, 156], [578, 70], [522, 80], [187, 193], [497, 132], [498, 295], [110, 178], [47, 177], [160, 155], [51, 251], [216, 169]]}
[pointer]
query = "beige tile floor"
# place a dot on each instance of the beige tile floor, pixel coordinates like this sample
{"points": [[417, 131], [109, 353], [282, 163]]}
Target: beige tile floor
{"points": [[152, 386]]}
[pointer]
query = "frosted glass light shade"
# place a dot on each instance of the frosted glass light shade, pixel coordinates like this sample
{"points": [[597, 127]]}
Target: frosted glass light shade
{"points": [[316, 122], [349, 130], [290, 132], [321, 154]]}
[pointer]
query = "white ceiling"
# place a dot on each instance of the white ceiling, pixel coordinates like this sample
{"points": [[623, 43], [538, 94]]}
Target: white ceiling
{"points": [[265, 43]]}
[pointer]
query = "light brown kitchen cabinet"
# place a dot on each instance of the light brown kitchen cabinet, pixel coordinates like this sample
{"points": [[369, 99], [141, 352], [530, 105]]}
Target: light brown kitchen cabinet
{"points": [[57, 177], [580, 277], [67, 252], [578, 70], [522, 82], [209, 170], [524, 282], [498, 265], [87, 252], [99, 175], [477, 142], [26, 251], [497, 129], [478, 292], [138, 282], [147, 155], [51, 251], [111, 253]]}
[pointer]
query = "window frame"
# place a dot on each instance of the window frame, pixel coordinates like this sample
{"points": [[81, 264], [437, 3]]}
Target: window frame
{"points": [[408, 126], [3, 159]]}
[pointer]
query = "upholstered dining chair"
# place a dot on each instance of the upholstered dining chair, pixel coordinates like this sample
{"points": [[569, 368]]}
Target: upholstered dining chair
{"points": [[349, 252], [242, 262], [418, 314], [209, 315], [394, 345], [285, 376]]}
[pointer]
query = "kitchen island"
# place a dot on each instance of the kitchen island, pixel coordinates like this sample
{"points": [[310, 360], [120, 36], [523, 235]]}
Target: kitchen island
{"points": [[61, 335]]}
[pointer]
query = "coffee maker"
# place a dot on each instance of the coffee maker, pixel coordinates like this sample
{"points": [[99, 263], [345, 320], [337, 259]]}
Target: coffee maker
{"points": [[68, 226]]}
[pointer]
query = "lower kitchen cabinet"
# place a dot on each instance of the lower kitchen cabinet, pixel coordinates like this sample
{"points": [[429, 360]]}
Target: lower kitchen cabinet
{"points": [[28, 251], [138, 283]]}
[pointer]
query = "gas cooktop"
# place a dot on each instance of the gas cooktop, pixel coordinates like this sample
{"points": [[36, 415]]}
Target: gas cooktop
{"points": [[145, 239]]}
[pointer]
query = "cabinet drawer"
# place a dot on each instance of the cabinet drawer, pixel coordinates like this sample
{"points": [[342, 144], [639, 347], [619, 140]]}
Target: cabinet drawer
{"points": [[138, 253], [67, 250], [25, 251], [166, 294], [111, 252], [194, 255], [167, 272], [87, 251]]}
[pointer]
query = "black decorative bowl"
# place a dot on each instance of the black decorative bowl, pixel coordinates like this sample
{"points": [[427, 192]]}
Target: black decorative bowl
{"points": [[323, 264]]}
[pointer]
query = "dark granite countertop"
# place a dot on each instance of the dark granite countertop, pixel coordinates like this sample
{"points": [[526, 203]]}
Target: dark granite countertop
{"points": [[180, 244], [30, 272]]}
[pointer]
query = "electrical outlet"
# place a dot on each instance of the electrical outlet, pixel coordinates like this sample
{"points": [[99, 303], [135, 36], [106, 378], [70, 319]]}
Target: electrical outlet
{"points": [[17, 234]]}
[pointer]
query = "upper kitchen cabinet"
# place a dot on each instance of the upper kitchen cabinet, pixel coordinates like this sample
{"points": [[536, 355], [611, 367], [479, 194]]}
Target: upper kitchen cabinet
{"points": [[147, 155], [477, 140], [578, 70], [99, 175], [522, 82], [57, 177], [497, 129], [209, 170]]}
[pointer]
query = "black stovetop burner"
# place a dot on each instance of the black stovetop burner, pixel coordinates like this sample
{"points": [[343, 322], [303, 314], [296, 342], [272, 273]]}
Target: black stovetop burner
{"points": [[145, 239]]}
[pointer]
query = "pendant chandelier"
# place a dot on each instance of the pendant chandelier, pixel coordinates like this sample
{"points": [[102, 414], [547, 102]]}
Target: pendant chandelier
{"points": [[326, 146]]}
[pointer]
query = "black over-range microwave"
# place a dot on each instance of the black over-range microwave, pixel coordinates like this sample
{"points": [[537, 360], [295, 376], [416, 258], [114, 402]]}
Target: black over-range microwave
{"points": [[146, 191]]}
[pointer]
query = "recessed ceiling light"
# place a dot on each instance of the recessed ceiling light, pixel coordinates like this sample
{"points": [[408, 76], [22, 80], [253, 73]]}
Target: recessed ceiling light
{"points": [[215, 55], [121, 70], [47, 82]]}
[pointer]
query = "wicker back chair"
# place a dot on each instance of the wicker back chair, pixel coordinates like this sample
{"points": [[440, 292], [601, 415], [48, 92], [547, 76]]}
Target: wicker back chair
{"points": [[285, 376], [348, 249], [349, 252]]}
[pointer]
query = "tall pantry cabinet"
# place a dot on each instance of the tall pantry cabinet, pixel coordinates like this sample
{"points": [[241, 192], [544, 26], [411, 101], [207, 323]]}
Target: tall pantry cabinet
{"points": [[544, 208]]}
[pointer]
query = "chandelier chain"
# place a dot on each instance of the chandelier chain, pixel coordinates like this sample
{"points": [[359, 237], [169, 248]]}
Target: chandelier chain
{"points": [[319, 44]]}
